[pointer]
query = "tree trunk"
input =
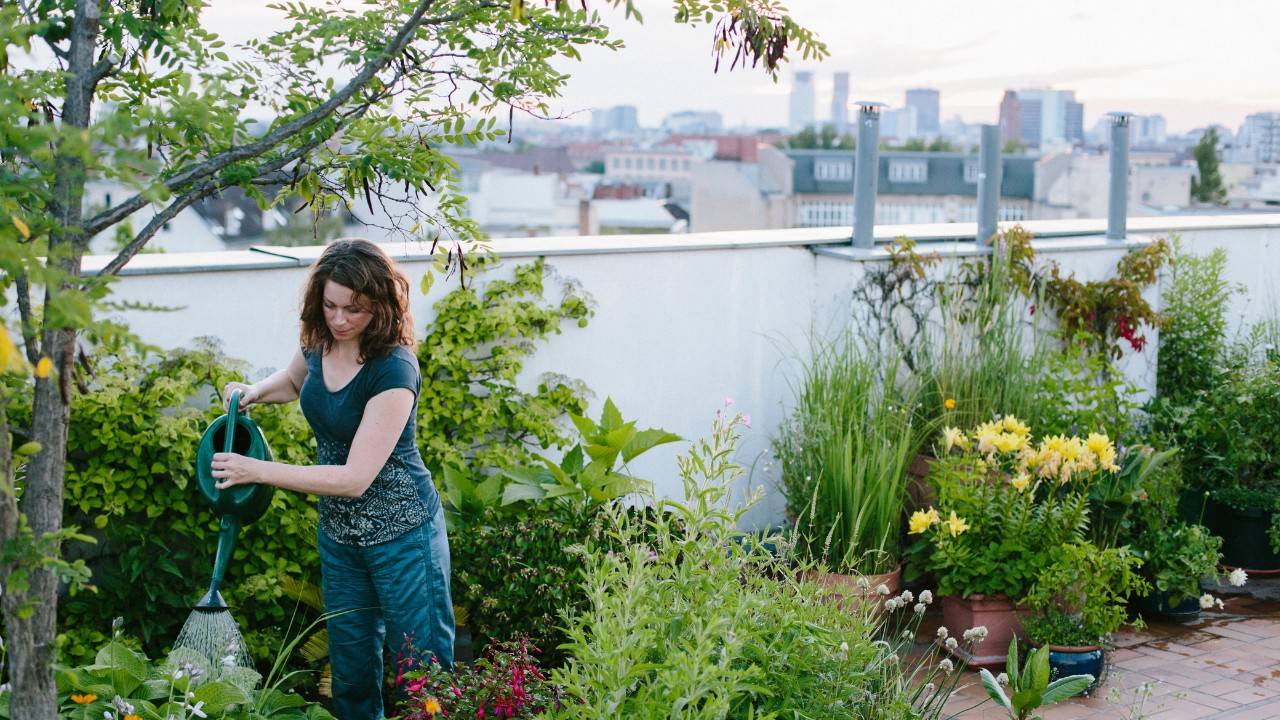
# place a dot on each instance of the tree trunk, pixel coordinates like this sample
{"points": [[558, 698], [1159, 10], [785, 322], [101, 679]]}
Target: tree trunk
{"points": [[31, 639]]}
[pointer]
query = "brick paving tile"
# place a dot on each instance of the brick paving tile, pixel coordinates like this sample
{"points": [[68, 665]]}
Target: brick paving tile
{"points": [[1184, 711], [1213, 701], [1223, 687]]}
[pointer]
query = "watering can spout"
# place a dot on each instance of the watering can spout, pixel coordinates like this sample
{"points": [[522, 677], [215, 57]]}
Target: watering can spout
{"points": [[227, 532]]}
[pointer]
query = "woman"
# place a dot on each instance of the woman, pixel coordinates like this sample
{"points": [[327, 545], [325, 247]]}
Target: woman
{"points": [[384, 555]]}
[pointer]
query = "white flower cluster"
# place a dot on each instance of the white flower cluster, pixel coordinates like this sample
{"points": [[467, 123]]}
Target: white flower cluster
{"points": [[1237, 577], [975, 634], [946, 665], [1208, 602]]}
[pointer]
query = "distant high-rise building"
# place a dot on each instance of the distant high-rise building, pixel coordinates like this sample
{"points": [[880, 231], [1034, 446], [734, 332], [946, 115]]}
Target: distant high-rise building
{"points": [[1047, 116], [1260, 137], [617, 119], [802, 99], [900, 123], [693, 122], [1148, 130], [1010, 116], [840, 103], [925, 101]]}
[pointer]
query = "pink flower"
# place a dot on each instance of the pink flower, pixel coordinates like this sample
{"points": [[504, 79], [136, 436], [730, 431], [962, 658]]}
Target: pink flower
{"points": [[746, 421], [728, 401]]}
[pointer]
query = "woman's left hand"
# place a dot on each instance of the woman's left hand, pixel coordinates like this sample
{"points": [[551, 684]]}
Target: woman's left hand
{"points": [[233, 469]]}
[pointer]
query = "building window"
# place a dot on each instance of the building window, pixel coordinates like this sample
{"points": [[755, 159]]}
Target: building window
{"points": [[615, 163], [662, 163], [971, 172], [908, 171], [649, 163], [626, 162], [684, 165], [833, 170]]}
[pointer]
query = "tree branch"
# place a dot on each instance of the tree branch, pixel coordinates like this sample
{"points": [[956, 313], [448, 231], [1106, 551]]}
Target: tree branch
{"points": [[281, 134], [267, 169]]}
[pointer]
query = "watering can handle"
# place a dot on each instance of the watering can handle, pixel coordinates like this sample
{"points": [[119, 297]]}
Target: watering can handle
{"points": [[233, 418]]}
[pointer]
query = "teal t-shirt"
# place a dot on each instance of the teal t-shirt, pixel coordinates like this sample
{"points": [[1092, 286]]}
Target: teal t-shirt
{"points": [[401, 497]]}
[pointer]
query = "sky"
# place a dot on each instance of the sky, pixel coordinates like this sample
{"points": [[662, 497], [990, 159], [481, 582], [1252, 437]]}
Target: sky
{"points": [[1194, 62]]}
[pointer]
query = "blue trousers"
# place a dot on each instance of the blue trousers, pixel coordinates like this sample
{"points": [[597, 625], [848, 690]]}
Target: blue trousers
{"points": [[393, 593]]}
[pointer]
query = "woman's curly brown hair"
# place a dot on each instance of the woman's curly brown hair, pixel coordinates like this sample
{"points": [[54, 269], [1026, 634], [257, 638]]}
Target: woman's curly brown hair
{"points": [[376, 282]]}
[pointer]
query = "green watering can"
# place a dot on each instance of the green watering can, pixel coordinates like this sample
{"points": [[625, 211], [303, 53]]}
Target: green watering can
{"points": [[239, 505]]}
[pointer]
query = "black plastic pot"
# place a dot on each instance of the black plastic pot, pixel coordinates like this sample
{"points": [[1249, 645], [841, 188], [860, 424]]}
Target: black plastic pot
{"points": [[1157, 604], [1244, 537]]}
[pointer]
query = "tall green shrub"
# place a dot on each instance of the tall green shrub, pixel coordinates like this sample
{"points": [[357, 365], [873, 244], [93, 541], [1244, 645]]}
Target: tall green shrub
{"points": [[130, 481], [470, 412], [1194, 336]]}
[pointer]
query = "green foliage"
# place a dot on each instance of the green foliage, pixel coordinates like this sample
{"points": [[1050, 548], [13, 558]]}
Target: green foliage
{"points": [[1081, 392], [1080, 597], [1193, 339], [1029, 686], [471, 414], [1143, 495], [122, 682], [514, 575], [133, 443], [1176, 557], [922, 145], [1104, 312], [844, 453], [1206, 185], [982, 359], [578, 482], [826, 138], [688, 617], [1005, 507]]}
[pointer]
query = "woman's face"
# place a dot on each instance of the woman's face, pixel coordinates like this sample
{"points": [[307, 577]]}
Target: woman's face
{"points": [[345, 317]]}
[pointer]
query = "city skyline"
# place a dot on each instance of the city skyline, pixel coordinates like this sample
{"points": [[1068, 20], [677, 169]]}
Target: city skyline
{"points": [[1148, 57]]}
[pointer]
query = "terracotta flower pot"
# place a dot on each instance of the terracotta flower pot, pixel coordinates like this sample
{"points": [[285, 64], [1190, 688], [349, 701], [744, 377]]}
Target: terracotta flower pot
{"points": [[997, 613], [846, 586]]}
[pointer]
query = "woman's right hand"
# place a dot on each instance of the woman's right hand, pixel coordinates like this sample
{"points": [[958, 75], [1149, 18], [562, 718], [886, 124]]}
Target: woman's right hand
{"points": [[248, 395]]}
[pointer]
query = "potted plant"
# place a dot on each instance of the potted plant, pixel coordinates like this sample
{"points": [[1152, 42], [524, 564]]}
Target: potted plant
{"points": [[844, 452], [1077, 601], [1175, 558], [1006, 507], [1030, 687]]}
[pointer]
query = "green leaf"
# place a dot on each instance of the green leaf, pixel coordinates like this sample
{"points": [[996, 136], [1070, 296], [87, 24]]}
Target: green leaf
{"points": [[1039, 668], [994, 691], [1066, 687], [572, 461], [217, 696], [1011, 665], [124, 668], [585, 425], [1025, 700], [271, 701], [610, 417], [646, 440], [522, 492]]}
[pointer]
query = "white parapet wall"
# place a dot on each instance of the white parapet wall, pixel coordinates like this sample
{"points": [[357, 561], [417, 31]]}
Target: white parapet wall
{"points": [[682, 321]]}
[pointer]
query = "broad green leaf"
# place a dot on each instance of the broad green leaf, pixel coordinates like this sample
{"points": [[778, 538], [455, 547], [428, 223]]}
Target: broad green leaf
{"points": [[994, 691], [585, 425], [1012, 667], [217, 696], [610, 417], [1025, 700], [1066, 687], [573, 460], [521, 492], [271, 701], [646, 440], [1039, 668]]}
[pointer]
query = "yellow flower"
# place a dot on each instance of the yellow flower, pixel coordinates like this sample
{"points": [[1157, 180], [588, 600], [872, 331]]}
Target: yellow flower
{"points": [[956, 525], [11, 359], [950, 404], [431, 706], [1020, 482], [922, 520], [1009, 442], [1016, 426], [1104, 449], [131, 716], [952, 437], [84, 699], [44, 367]]}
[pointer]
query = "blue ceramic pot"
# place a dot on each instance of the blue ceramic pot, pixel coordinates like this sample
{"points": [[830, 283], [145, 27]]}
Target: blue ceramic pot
{"points": [[1157, 603], [1067, 661]]}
